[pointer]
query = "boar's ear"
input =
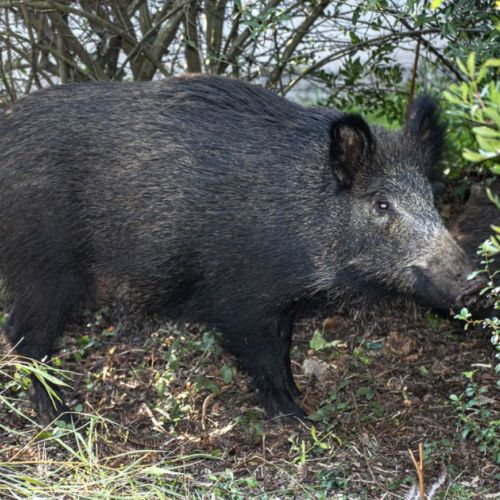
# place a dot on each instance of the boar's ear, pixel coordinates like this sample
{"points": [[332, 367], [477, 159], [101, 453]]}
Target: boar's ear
{"points": [[351, 145], [425, 127]]}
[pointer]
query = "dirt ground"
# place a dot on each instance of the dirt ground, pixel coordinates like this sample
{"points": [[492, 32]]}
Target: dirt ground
{"points": [[377, 383]]}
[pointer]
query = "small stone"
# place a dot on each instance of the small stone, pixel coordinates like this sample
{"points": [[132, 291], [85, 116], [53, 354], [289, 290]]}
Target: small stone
{"points": [[314, 368]]}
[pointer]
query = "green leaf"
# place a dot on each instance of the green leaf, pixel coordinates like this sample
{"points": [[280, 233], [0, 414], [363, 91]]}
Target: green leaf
{"points": [[44, 377], [155, 470], [191, 43], [208, 384], [463, 315], [473, 156], [375, 345], [43, 435], [493, 115], [486, 132], [466, 92], [483, 70], [469, 374], [452, 98], [492, 63], [471, 64], [317, 342], [227, 374], [367, 392], [488, 146], [463, 69]]}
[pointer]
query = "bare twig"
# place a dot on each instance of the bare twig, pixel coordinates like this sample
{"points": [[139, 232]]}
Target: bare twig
{"points": [[214, 15], [33, 55], [5, 80], [49, 49], [207, 402], [158, 21], [295, 41], [239, 42], [192, 48], [413, 79], [99, 21], [419, 466], [164, 38], [233, 33]]}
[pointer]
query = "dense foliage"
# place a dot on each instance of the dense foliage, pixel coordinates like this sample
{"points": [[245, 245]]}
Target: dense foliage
{"points": [[476, 102], [344, 53]]}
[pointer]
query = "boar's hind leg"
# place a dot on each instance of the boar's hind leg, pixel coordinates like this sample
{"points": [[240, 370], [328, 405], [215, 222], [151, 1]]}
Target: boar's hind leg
{"points": [[38, 316], [263, 355]]}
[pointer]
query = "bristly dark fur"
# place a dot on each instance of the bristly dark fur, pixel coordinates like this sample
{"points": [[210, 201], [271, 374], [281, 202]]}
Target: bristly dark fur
{"points": [[210, 200]]}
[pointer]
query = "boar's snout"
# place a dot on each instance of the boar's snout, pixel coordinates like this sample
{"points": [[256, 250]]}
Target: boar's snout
{"points": [[442, 278], [443, 291]]}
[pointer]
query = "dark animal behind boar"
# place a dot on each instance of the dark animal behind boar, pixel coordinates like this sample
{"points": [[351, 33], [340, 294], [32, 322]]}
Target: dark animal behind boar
{"points": [[214, 201]]}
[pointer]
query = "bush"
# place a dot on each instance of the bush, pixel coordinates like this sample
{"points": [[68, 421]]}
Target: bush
{"points": [[476, 103]]}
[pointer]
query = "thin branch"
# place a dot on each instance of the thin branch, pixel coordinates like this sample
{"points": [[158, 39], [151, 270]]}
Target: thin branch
{"points": [[63, 50], [26, 56], [158, 22], [428, 45], [214, 15], [239, 43], [233, 33], [297, 38], [5, 80], [124, 19], [134, 5], [409, 102], [419, 466], [164, 38], [48, 49], [354, 48], [192, 54], [67, 39], [33, 56], [145, 19], [103, 23]]}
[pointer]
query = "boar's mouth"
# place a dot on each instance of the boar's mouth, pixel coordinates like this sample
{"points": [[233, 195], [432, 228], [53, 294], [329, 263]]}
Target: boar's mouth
{"points": [[444, 295], [469, 297]]}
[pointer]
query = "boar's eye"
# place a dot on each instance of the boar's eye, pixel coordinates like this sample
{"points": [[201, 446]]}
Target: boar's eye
{"points": [[383, 207]]}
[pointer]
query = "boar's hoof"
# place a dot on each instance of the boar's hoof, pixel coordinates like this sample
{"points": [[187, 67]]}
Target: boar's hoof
{"points": [[283, 407], [48, 409]]}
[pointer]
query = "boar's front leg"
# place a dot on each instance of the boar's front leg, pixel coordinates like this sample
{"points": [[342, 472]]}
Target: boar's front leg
{"points": [[285, 326], [263, 351], [42, 308], [29, 336]]}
